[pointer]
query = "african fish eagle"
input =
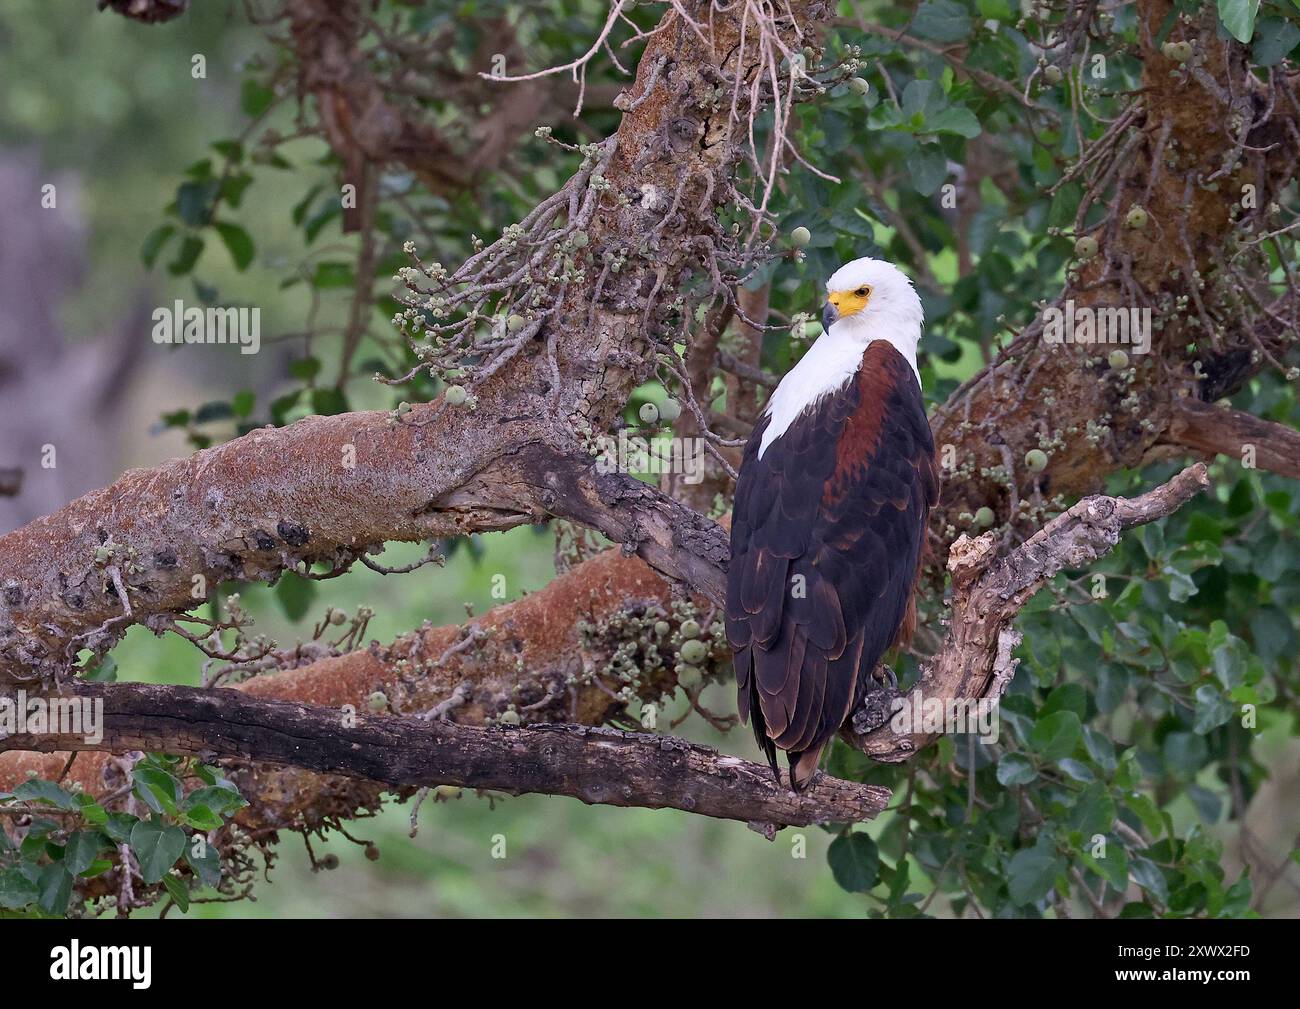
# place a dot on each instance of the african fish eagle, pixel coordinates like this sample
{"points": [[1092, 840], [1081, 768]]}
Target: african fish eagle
{"points": [[829, 520]]}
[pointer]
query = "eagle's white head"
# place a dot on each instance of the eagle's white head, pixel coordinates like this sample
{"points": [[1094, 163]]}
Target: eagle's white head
{"points": [[866, 300], [869, 299]]}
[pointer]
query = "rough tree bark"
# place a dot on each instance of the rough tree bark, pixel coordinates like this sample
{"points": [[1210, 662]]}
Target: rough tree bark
{"points": [[593, 764]]}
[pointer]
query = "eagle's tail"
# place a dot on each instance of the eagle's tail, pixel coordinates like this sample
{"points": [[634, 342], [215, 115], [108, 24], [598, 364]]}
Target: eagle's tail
{"points": [[803, 765], [747, 703]]}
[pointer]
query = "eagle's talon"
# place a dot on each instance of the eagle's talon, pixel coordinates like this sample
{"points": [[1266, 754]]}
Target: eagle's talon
{"points": [[876, 708]]}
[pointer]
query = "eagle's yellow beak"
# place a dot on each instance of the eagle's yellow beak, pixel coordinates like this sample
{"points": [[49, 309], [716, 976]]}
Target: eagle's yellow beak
{"points": [[841, 304]]}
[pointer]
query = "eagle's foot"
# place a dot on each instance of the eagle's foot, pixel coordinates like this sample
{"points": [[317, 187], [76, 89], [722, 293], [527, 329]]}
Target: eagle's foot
{"points": [[877, 704]]}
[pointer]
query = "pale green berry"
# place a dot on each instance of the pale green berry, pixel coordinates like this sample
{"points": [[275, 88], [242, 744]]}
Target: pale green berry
{"points": [[690, 629], [800, 237], [1118, 359], [984, 517], [1036, 460], [649, 413], [693, 651], [456, 395], [670, 410]]}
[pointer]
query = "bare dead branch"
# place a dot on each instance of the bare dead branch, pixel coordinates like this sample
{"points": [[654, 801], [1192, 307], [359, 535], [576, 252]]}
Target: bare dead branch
{"points": [[595, 765]]}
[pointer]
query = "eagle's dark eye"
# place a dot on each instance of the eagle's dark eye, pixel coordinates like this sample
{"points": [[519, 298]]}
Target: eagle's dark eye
{"points": [[863, 292]]}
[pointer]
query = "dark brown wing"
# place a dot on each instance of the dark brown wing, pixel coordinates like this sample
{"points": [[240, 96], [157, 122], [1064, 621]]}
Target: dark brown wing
{"points": [[826, 535]]}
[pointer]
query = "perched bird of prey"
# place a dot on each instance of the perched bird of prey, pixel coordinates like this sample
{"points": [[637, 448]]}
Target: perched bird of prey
{"points": [[829, 520]]}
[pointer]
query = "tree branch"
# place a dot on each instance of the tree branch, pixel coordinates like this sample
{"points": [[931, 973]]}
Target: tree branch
{"points": [[989, 591], [1202, 427], [595, 765]]}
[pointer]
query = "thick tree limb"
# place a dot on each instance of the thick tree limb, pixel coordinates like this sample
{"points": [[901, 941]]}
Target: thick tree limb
{"points": [[595, 765], [530, 652], [1214, 430], [330, 487]]}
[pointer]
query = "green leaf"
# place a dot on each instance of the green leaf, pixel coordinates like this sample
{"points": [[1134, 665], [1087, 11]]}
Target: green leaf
{"points": [[941, 20], [39, 790], [1031, 872], [1113, 868], [178, 891], [16, 890], [55, 886], [1212, 709], [238, 243], [81, 849], [1056, 735], [1066, 697], [1184, 752], [231, 150], [295, 595], [1238, 16], [1094, 812], [1015, 769], [153, 245], [305, 368], [158, 790], [201, 818], [928, 167], [955, 119], [328, 401], [221, 799], [156, 847], [1147, 875], [189, 254], [119, 827], [329, 275], [206, 866], [1230, 662], [254, 97], [854, 861], [194, 201], [241, 404], [103, 671], [215, 410]]}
